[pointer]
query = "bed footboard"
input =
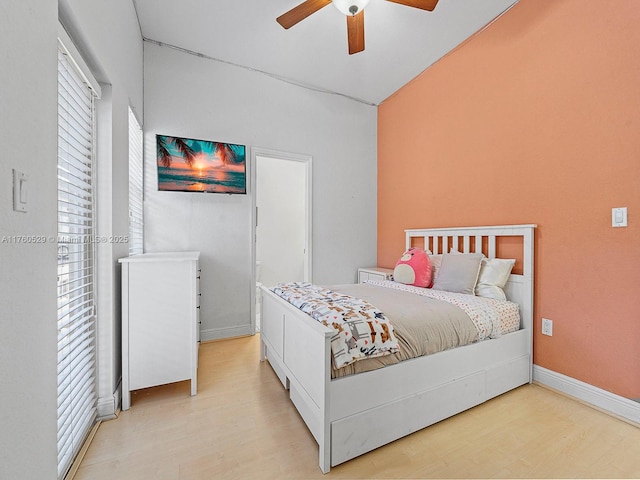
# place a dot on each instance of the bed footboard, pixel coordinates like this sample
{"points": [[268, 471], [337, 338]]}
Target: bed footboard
{"points": [[299, 350]]}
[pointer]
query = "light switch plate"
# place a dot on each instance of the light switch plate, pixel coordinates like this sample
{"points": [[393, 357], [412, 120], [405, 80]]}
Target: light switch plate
{"points": [[547, 327], [19, 191], [619, 217]]}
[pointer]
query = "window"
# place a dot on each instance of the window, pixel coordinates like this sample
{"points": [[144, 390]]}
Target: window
{"points": [[76, 264], [136, 175]]}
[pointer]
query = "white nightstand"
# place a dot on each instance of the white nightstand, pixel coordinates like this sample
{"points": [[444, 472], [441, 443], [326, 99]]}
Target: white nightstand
{"points": [[374, 273]]}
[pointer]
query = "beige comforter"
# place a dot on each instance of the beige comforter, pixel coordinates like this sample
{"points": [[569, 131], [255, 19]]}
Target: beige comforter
{"points": [[422, 325]]}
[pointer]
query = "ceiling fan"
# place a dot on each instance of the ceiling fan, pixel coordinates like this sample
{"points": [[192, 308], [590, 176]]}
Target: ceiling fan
{"points": [[353, 9]]}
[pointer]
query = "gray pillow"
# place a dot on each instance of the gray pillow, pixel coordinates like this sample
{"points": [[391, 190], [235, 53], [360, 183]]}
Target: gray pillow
{"points": [[459, 273]]}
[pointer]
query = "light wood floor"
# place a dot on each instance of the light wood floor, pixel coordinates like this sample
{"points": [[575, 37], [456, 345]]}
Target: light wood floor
{"points": [[241, 425]]}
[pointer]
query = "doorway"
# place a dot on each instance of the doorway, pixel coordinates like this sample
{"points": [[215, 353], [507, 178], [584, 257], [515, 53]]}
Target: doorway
{"points": [[282, 221]]}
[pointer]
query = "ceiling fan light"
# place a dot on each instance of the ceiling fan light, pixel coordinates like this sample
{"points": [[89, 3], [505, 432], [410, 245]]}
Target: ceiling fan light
{"points": [[350, 7]]}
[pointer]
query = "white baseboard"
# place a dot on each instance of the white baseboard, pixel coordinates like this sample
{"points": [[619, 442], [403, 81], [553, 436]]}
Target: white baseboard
{"points": [[107, 407], [610, 402], [225, 332]]}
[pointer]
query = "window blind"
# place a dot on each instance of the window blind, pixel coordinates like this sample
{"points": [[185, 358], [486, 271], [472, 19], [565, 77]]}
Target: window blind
{"points": [[76, 313], [136, 179]]}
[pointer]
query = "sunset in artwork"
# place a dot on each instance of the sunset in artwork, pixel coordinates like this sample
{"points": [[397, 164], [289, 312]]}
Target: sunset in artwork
{"points": [[189, 165]]}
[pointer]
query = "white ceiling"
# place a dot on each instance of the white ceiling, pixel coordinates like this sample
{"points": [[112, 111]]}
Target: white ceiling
{"points": [[400, 41]]}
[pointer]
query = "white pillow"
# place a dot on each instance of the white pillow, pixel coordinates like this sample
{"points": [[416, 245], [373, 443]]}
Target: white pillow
{"points": [[436, 260], [494, 274], [458, 273]]}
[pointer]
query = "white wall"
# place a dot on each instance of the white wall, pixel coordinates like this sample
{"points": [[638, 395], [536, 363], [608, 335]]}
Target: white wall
{"points": [[280, 233], [28, 135], [108, 35], [194, 97], [107, 32]]}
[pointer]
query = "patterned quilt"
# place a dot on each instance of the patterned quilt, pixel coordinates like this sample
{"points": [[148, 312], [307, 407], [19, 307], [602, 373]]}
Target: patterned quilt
{"points": [[360, 329]]}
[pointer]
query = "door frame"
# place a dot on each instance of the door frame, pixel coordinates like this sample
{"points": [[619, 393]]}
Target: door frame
{"points": [[306, 160]]}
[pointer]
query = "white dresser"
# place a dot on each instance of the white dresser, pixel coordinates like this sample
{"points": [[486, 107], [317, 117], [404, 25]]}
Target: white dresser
{"points": [[160, 320]]}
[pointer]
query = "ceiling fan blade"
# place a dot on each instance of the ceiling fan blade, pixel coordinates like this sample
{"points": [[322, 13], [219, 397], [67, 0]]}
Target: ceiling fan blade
{"points": [[355, 32], [302, 11], [422, 4]]}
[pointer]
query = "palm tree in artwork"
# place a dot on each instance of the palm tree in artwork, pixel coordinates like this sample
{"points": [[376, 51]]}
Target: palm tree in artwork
{"points": [[225, 153], [181, 145]]}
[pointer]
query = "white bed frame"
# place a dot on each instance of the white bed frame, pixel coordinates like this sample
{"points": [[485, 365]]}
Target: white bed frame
{"points": [[353, 415]]}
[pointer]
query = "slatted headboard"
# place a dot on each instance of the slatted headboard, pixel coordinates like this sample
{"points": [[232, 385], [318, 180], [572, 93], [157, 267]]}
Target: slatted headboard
{"points": [[519, 288]]}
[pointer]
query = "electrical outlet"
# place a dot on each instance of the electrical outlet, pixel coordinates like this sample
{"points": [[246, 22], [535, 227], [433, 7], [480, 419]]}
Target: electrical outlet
{"points": [[547, 327]]}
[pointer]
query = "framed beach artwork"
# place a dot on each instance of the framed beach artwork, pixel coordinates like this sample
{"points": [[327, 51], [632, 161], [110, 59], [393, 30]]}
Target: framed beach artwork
{"points": [[190, 165]]}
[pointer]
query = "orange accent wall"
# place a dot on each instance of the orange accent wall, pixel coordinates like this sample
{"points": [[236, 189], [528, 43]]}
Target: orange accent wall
{"points": [[536, 119]]}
